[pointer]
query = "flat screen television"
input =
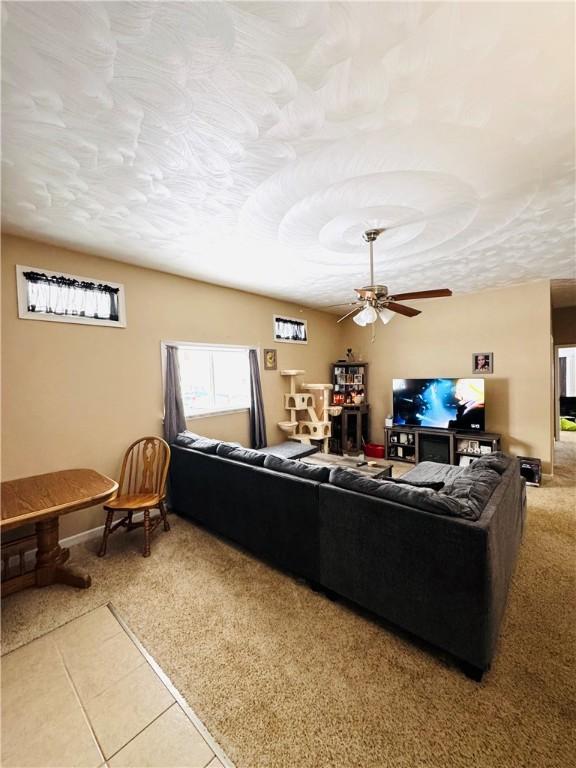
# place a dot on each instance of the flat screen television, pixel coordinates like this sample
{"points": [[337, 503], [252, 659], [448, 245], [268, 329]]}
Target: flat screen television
{"points": [[439, 403]]}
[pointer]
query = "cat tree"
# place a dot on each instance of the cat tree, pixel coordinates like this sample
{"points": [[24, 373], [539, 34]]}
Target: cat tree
{"points": [[317, 426]]}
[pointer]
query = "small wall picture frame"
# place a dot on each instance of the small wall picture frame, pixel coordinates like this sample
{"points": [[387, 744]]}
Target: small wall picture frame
{"points": [[290, 330], [483, 362], [270, 360]]}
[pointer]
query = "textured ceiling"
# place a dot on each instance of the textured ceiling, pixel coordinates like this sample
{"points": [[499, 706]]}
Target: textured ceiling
{"points": [[250, 144]]}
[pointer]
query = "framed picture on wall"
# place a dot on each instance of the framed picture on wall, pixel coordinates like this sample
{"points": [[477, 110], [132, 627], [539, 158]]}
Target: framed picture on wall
{"points": [[483, 362], [290, 330], [270, 360]]}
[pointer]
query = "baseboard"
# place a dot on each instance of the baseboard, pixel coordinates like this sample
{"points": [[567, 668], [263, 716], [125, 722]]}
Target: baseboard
{"points": [[69, 541], [80, 538]]}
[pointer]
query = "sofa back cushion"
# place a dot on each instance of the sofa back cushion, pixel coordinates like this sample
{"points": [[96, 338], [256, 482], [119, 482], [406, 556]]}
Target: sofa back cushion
{"points": [[186, 439], [412, 496], [237, 453], [205, 445], [297, 469]]}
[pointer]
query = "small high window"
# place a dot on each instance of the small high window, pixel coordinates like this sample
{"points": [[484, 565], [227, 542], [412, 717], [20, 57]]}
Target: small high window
{"points": [[47, 295]]}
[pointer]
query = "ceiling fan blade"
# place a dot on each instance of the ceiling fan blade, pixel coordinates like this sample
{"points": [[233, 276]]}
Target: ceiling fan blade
{"points": [[438, 293], [342, 304], [402, 310], [348, 314]]}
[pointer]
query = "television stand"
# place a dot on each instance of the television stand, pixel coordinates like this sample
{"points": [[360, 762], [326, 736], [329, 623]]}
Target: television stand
{"points": [[445, 446]]}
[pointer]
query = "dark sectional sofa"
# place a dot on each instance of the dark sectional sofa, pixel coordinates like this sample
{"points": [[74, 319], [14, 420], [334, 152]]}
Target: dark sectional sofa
{"points": [[433, 554]]}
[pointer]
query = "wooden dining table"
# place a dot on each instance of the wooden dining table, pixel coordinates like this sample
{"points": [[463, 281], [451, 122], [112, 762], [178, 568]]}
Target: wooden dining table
{"points": [[41, 500]]}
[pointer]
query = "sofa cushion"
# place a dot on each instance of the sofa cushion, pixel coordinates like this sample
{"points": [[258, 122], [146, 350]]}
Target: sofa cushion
{"points": [[473, 487], [186, 438], [497, 461], [291, 449], [297, 468], [432, 472], [245, 455], [205, 445], [412, 496], [432, 484]]}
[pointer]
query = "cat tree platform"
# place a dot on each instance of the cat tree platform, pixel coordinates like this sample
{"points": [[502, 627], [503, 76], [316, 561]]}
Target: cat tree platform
{"points": [[317, 426]]}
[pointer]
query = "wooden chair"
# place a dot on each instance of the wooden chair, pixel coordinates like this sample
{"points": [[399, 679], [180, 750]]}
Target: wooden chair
{"points": [[142, 487]]}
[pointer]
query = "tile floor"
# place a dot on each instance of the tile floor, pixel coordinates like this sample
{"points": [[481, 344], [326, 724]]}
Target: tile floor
{"points": [[85, 695]]}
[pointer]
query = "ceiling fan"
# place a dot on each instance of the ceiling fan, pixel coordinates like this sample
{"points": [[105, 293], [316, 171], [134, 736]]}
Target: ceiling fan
{"points": [[375, 302]]}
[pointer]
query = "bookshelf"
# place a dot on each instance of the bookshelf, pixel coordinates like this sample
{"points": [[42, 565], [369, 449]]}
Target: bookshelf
{"points": [[350, 390], [350, 382], [401, 444], [468, 447]]}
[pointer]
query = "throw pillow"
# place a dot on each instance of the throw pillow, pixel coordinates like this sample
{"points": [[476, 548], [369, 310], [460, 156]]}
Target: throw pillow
{"points": [[497, 461], [297, 469], [473, 488]]}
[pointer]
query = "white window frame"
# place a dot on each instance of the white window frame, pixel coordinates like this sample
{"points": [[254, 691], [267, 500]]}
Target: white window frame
{"points": [[207, 347], [25, 314]]}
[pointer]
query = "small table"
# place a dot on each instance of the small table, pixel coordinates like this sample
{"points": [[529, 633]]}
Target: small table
{"points": [[41, 500], [375, 469]]}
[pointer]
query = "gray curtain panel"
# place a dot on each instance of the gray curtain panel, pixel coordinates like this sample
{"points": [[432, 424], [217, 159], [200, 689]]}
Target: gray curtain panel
{"points": [[174, 421], [257, 419]]}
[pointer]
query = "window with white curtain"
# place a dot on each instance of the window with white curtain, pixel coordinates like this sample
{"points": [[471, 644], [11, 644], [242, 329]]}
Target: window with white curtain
{"points": [[213, 379], [47, 295]]}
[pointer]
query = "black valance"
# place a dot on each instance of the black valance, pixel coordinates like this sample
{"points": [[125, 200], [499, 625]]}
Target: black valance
{"points": [[68, 282], [61, 295]]}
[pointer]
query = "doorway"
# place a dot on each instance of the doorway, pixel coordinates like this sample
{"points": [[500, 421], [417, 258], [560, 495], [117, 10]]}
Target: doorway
{"points": [[566, 393]]}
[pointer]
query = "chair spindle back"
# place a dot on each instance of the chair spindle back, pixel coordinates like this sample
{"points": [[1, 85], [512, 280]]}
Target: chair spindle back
{"points": [[145, 467]]}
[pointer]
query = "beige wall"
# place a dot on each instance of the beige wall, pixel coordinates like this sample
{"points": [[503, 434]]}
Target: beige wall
{"points": [[564, 325], [513, 323], [77, 395]]}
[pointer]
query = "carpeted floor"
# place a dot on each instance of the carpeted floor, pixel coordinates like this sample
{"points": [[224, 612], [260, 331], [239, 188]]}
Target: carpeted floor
{"points": [[284, 678]]}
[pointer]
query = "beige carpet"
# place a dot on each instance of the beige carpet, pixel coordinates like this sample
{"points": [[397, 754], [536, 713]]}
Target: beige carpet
{"points": [[285, 678]]}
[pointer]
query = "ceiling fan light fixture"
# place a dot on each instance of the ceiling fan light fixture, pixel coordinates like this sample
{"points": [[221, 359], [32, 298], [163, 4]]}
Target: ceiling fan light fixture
{"points": [[374, 301], [386, 315], [367, 316]]}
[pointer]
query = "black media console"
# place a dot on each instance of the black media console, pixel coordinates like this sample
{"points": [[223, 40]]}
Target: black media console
{"points": [[446, 446]]}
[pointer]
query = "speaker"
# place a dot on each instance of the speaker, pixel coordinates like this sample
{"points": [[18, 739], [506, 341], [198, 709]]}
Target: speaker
{"points": [[531, 469]]}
